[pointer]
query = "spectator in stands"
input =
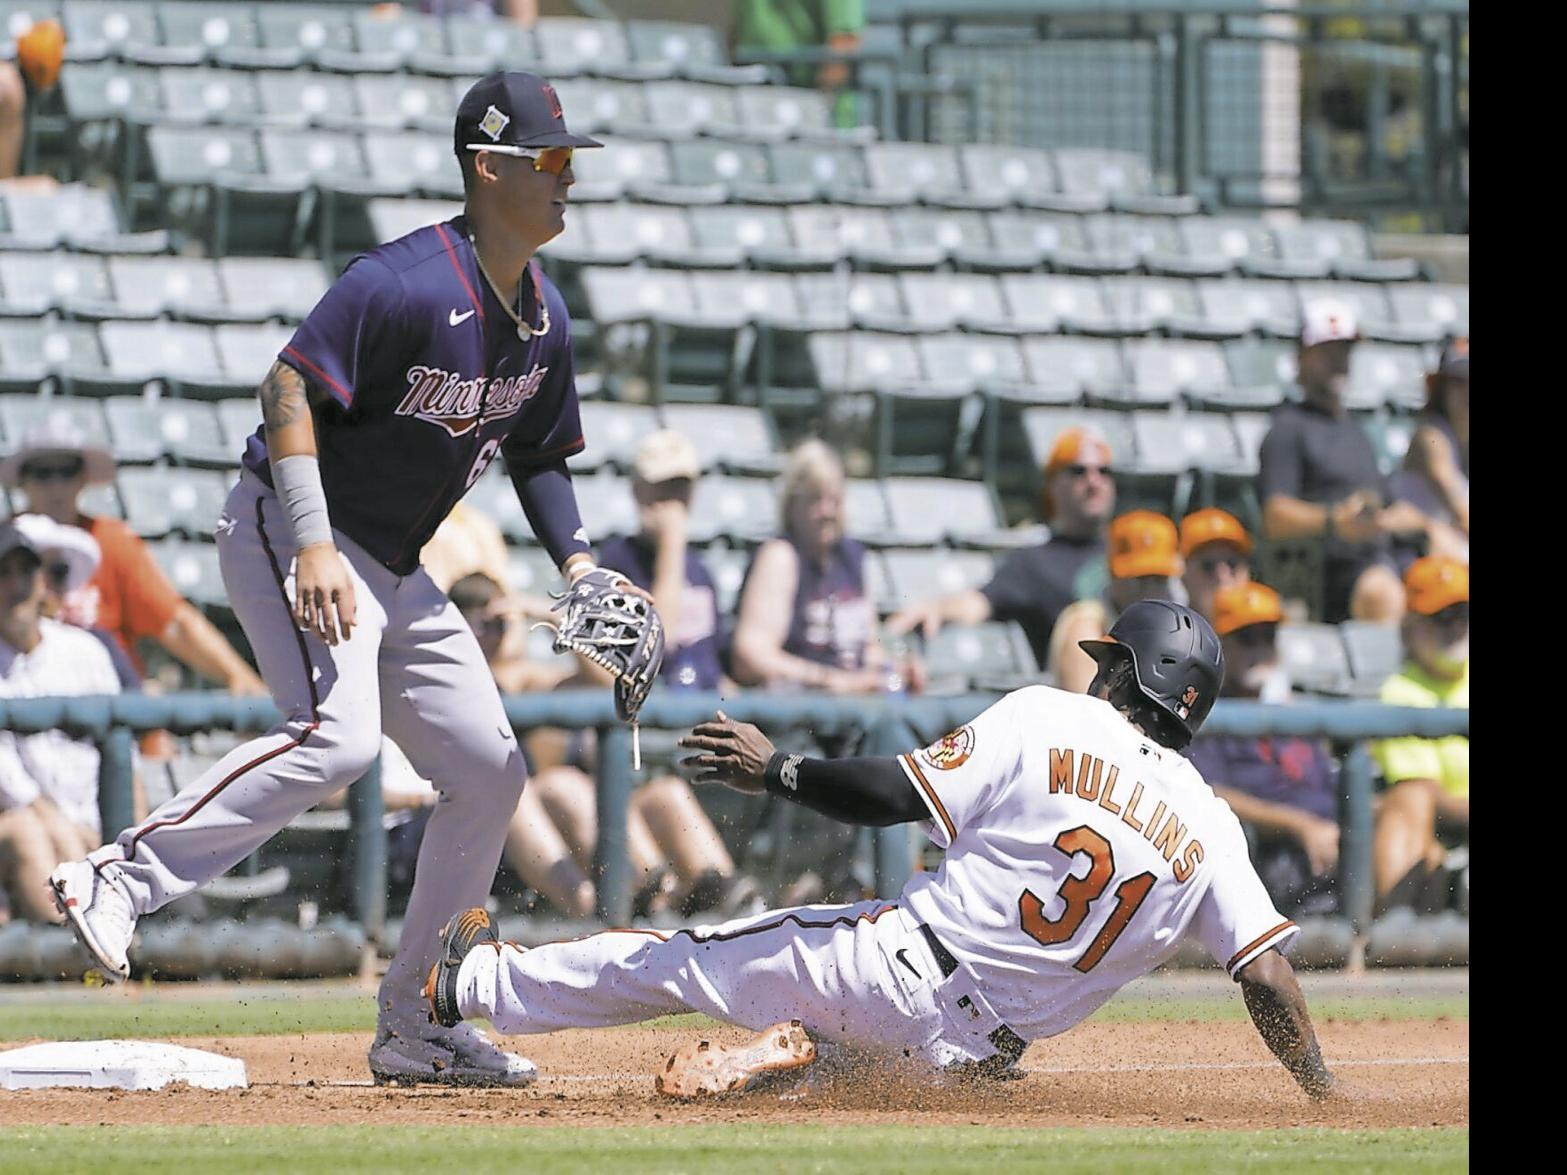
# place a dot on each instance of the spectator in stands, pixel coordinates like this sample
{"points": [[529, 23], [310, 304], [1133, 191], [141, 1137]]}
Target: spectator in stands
{"points": [[129, 595], [1319, 477], [39, 53], [48, 780], [1033, 586], [1216, 551], [1426, 805], [1144, 564], [779, 26], [1284, 790], [1435, 476], [805, 618]]}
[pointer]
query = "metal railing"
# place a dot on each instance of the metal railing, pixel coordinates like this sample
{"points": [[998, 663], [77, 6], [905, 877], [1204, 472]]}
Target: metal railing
{"points": [[880, 726]]}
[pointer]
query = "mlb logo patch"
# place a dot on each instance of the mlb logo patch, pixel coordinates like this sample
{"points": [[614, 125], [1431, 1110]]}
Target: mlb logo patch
{"points": [[493, 123]]}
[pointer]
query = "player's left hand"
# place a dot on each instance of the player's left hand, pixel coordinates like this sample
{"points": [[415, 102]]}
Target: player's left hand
{"points": [[736, 754]]}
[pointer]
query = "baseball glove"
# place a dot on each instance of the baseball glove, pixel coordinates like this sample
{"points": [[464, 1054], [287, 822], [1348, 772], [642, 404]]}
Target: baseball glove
{"points": [[615, 630]]}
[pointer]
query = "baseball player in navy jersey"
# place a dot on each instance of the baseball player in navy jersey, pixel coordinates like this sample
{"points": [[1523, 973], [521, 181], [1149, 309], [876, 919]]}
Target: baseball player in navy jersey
{"points": [[1080, 848], [431, 356]]}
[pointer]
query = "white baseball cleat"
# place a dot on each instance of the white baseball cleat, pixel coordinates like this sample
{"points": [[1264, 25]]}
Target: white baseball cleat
{"points": [[100, 913], [432, 1055]]}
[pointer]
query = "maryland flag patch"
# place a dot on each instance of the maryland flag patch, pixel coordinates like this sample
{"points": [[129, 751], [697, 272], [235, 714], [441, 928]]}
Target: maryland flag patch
{"points": [[950, 751]]}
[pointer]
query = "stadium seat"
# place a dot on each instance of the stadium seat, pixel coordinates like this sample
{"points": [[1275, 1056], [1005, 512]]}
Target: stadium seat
{"points": [[919, 171], [764, 297], [1166, 444], [206, 95], [1235, 242], [1122, 242], [95, 29], [75, 215], [603, 497], [960, 234], [161, 502], [102, 91], [619, 295], [392, 218], [613, 432], [1243, 305], [239, 417], [187, 431], [835, 170], [246, 353], [727, 565], [679, 108], [258, 288], [34, 283], [1250, 429], [961, 363], [1314, 658], [1374, 651], [193, 570], [299, 98], [1142, 305], [1390, 437], [185, 287], [740, 509], [625, 166], [225, 34], [919, 574], [1051, 303], [573, 45], [944, 301], [1386, 373], [1163, 369], [532, 571], [719, 167], [784, 112], [1123, 178], [297, 34], [993, 655], [1033, 238], [1342, 248], [863, 361], [691, 50], [1436, 311], [732, 437], [866, 516], [596, 104], [33, 350], [385, 41], [21, 413], [476, 46], [1062, 369], [404, 100], [248, 209], [1042, 425], [927, 510], [1025, 176], [173, 352], [1261, 373], [839, 298], [620, 233]]}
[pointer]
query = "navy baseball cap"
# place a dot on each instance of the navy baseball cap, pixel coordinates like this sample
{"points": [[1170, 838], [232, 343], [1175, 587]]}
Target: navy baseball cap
{"points": [[513, 110]]}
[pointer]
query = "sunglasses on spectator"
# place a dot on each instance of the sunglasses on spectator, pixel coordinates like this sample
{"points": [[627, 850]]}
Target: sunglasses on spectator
{"points": [[1085, 470], [1453, 616], [551, 160], [57, 471]]}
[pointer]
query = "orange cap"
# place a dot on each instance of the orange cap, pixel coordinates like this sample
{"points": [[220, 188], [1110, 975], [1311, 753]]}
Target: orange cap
{"points": [[1436, 582], [1243, 604], [39, 51], [1143, 543], [1072, 446], [1212, 526]]}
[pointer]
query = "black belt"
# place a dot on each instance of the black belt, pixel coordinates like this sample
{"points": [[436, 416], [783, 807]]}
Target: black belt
{"points": [[1008, 1044]]}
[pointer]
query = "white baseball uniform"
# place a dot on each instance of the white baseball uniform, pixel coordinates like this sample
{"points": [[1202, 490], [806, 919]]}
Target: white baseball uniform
{"points": [[1079, 853]]}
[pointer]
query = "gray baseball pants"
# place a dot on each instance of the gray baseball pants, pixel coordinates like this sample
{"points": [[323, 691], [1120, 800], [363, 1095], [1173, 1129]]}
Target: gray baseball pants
{"points": [[412, 668]]}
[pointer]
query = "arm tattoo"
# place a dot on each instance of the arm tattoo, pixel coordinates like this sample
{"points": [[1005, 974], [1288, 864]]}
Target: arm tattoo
{"points": [[1279, 1012], [283, 397]]}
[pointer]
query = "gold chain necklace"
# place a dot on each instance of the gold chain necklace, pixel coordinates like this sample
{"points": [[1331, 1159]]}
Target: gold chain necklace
{"points": [[524, 331]]}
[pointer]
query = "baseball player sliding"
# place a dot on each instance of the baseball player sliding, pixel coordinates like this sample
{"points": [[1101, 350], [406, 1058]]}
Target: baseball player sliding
{"points": [[1081, 847], [429, 356]]}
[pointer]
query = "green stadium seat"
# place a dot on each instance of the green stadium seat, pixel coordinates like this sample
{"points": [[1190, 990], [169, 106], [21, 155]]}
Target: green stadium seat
{"points": [[1374, 651], [962, 363], [624, 166], [863, 361], [1122, 242], [297, 34], [95, 29], [34, 283], [1436, 311], [735, 438], [1143, 305], [927, 510], [1250, 429], [1048, 303], [1164, 369], [709, 169], [993, 655], [747, 230], [571, 45], [189, 432], [1386, 373], [1122, 178], [836, 170], [1063, 369], [178, 353], [739, 509], [837, 300], [184, 287], [961, 234], [1166, 445], [690, 50], [160, 502], [205, 95], [477, 46], [213, 180], [194, 571], [384, 41], [781, 112], [405, 100], [680, 108], [1235, 242], [306, 97], [403, 162], [921, 171], [613, 432], [239, 418], [391, 218], [727, 565], [1342, 248], [1025, 176], [1030, 239], [222, 33], [917, 574], [945, 301], [618, 233], [33, 350], [247, 353], [94, 91], [22, 413], [1251, 305], [259, 288], [603, 497], [74, 215], [593, 105]]}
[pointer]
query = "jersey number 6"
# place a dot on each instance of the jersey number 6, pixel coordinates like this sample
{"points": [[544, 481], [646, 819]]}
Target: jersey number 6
{"points": [[1079, 893], [481, 462]]}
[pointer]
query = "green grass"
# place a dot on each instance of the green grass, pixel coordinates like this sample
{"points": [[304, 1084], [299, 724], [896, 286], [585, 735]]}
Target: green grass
{"points": [[79, 1015], [754, 1148]]}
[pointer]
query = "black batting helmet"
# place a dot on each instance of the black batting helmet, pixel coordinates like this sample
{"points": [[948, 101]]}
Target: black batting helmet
{"points": [[1176, 659]]}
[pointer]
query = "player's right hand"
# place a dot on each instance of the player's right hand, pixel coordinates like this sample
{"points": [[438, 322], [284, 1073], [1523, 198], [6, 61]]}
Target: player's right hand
{"points": [[323, 593]]}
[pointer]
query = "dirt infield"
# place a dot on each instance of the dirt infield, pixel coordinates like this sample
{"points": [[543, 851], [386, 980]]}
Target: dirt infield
{"points": [[1183, 1075]]}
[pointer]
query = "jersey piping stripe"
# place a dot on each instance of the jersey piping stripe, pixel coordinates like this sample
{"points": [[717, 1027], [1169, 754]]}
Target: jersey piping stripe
{"points": [[528, 460], [337, 389], [1261, 941], [749, 930], [451, 254], [932, 800], [315, 708]]}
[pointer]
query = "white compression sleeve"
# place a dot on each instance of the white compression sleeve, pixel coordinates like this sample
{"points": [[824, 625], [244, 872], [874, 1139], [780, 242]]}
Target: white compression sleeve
{"points": [[298, 481]]}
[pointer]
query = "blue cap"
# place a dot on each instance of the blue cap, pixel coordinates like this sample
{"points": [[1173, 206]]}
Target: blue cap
{"points": [[513, 110]]}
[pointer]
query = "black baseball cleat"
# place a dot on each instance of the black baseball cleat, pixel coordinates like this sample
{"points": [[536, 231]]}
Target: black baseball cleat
{"points": [[465, 931]]}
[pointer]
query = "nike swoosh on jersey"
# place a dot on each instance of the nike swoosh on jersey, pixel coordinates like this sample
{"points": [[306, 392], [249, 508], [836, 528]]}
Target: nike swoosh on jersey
{"points": [[899, 955], [455, 319]]}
